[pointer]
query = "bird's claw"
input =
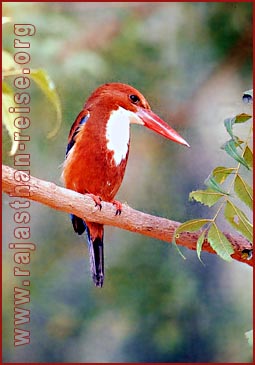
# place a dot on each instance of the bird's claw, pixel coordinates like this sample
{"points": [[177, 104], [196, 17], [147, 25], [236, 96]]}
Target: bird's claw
{"points": [[118, 207], [97, 200]]}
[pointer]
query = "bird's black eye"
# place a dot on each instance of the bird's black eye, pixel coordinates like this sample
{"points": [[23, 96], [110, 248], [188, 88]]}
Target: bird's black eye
{"points": [[134, 98]]}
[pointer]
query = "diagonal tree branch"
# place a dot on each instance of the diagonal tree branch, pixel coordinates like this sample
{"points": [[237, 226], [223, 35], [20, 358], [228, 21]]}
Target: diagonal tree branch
{"points": [[18, 183]]}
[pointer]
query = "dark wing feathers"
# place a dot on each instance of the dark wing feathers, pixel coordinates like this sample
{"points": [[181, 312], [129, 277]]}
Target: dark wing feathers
{"points": [[79, 121], [79, 225]]}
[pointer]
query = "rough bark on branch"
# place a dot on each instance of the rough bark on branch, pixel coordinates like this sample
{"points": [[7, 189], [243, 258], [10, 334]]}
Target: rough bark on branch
{"points": [[83, 206]]}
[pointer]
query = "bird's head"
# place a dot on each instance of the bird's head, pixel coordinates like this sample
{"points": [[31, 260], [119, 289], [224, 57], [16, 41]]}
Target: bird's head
{"points": [[112, 96]]}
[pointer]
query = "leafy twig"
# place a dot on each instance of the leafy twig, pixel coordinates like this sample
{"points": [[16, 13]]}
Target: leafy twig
{"points": [[215, 193]]}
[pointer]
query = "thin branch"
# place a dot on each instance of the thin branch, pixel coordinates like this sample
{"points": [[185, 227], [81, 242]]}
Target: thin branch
{"points": [[19, 184]]}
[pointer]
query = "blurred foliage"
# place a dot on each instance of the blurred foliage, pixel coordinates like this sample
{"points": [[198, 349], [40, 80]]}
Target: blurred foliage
{"points": [[13, 70], [192, 61], [249, 336]]}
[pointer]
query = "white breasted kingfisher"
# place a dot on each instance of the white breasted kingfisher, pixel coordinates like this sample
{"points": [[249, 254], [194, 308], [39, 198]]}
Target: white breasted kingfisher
{"points": [[97, 154]]}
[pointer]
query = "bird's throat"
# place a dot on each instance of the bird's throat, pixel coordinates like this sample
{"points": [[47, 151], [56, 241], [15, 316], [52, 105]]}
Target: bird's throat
{"points": [[118, 133]]}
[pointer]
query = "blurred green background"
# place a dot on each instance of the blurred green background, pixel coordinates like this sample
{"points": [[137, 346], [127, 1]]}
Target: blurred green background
{"points": [[192, 61]]}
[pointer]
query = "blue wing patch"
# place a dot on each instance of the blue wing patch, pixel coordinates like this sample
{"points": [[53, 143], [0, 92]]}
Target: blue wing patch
{"points": [[80, 121]]}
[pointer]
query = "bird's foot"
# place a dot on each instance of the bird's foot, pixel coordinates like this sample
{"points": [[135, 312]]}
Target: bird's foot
{"points": [[97, 200], [118, 206]]}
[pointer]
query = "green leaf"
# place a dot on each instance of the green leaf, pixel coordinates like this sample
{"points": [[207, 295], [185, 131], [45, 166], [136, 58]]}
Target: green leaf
{"points": [[221, 173], [238, 220], [248, 96], [189, 226], [47, 86], [208, 197], [192, 225], [220, 243], [229, 122], [242, 118], [7, 102], [249, 336], [5, 19], [248, 156], [212, 183], [8, 62], [243, 191], [249, 92], [230, 148], [200, 242]]}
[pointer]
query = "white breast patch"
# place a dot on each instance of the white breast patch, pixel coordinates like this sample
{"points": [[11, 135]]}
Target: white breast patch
{"points": [[118, 133]]}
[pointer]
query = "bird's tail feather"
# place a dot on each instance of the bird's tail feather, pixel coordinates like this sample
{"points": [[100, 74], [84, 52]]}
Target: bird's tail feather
{"points": [[95, 235], [96, 258]]}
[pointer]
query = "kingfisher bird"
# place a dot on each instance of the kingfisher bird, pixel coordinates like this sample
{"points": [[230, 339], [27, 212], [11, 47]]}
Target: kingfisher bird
{"points": [[97, 154]]}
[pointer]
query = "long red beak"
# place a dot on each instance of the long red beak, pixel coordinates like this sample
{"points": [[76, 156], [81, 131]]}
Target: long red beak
{"points": [[153, 122]]}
